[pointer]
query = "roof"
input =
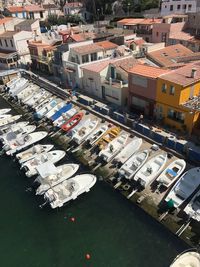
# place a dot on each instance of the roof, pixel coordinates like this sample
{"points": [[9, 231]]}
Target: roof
{"points": [[28, 8], [14, 9], [96, 67], [182, 76], [193, 57], [4, 20], [125, 63], [86, 49], [8, 34], [167, 56], [73, 5], [7, 54], [147, 71], [107, 45], [50, 6], [143, 21], [33, 8], [26, 22], [130, 21], [180, 35], [138, 42]]}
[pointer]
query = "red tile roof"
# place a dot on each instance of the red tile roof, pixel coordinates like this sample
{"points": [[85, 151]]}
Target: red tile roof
{"points": [[107, 45], [4, 20], [87, 49], [125, 63], [147, 71], [73, 4], [33, 8], [97, 67], [130, 21], [141, 21], [14, 9], [28, 8]]}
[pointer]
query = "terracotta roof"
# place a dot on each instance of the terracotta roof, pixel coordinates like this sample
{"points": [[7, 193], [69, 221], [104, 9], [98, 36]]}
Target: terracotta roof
{"points": [[134, 21], [97, 67], [87, 49], [182, 76], [14, 9], [130, 21], [180, 35], [147, 21], [79, 37], [73, 4], [8, 34], [125, 63], [147, 71], [50, 6], [107, 45], [4, 20], [167, 56], [138, 42], [33, 8], [38, 44]]}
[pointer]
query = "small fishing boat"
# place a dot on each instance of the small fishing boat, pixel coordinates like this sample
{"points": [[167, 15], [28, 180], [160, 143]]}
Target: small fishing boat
{"points": [[150, 170], [20, 85], [43, 104], [12, 127], [188, 258], [184, 187], [129, 150], [39, 102], [9, 120], [108, 136], [51, 179], [30, 96], [32, 152], [5, 116], [172, 173], [35, 99], [65, 117], [46, 157], [71, 123], [61, 111], [193, 207], [97, 134], [31, 88], [4, 111], [69, 190], [46, 108], [86, 129], [24, 142], [114, 147], [133, 164], [59, 105], [17, 133]]}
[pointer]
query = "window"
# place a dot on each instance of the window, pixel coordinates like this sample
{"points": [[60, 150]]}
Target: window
{"points": [[164, 88], [172, 90], [93, 56], [41, 14], [0, 42], [11, 43], [157, 34], [163, 36], [171, 7], [184, 6], [85, 58], [6, 43], [189, 7], [118, 76], [176, 115], [178, 7]]}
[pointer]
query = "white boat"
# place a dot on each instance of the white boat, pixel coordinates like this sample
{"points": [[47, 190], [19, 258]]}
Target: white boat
{"points": [[172, 173], [193, 207], [87, 128], [184, 187], [46, 157], [30, 96], [24, 142], [18, 86], [13, 81], [12, 127], [129, 150], [133, 164], [46, 108], [189, 258], [4, 110], [43, 104], [41, 100], [69, 190], [34, 98], [17, 133], [55, 109], [114, 147], [97, 134], [150, 170], [65, 117], [9, 120], [52, 178], [32, 152], [30, 89], [5, 116]]}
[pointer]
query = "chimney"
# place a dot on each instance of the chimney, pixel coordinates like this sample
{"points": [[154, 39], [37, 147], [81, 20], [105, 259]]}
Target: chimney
{"points": [[193, 73]]}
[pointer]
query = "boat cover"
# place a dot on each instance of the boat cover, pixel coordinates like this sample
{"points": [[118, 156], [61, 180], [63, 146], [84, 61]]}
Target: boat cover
{"points": [[61, 111], [46, 169]]}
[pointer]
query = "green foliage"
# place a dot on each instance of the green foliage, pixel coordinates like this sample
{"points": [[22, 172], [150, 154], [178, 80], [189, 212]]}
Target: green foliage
{"points": [[58, 20]]}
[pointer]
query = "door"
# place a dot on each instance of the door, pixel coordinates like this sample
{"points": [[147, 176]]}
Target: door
{"points": [[103, 92]]}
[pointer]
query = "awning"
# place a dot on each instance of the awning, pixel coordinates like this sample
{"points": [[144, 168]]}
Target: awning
{"points": [[69, 70]]}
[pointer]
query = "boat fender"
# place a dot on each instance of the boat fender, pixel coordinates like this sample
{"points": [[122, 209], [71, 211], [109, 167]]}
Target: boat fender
{"points": [[87, 256], [126, 187], [72, 219]]}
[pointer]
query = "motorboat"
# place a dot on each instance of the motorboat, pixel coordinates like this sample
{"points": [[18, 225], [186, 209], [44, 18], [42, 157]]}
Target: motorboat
{"points": [[171, 173], [88, 127], [65, 117], [4, 111], [46, 108], [150, 170], [31, 88], [184, 187], [59, 105], [97, 134], [52, 178], [36, 98], [188, 258], [39, 102], [12, 81], [9, 120], [107, 137], [114, 147], [61, 111], [5, 116], [71, 123], [193, 207], [18, 86], [43, 104], [49, 157], [133, 164], [24, 141], [12, 127], [32, 152], [69, 190], [129, 150], [17, 133], [31, 95]]}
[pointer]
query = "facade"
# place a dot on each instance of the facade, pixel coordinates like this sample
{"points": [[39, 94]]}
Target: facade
{"points": [[51, 9], [178, 6], [177, 98], [142, 82], [73, 8], [27, 12], [29, 25]]}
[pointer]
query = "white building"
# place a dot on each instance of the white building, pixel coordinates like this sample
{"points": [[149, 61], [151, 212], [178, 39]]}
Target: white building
{"points": [[73, 8], [178, 6]]}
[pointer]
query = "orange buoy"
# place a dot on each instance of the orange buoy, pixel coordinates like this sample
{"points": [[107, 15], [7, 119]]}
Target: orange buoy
{"points": [[72, 219], [87, 256]]}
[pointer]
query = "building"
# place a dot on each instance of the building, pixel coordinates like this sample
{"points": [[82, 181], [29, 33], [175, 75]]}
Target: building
{"points": [[142, 80], [51, 9], [31, 25], [73, 8], [178, 6], [177, 98], [27, 12]]}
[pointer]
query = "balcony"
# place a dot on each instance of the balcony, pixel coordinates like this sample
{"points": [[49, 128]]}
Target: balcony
{"points": [[143, 31], [42, 59], [115, 83]]}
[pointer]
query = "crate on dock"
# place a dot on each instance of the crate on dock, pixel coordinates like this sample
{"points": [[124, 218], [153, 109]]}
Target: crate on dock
{"points": [[181, 146], [85, 100]]}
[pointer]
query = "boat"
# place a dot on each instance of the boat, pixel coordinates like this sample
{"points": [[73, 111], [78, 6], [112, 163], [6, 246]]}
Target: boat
{"points": [[46, 108], [4, 111], [184, 187], [133, 164], [48, 157], [150, 170], [129, 150], [114, 147], [41, 100], [24, 142], [9, 120], [50, 179], [43, 104], [188, 258], [69, 190], [171, 173], [17, 133], [35, 98], [65, 117], [20, 85], [71, 123], [12, 82], [86, 129], [107, 137], [31, 88], [193, 207], [30, 96], [32, 152], [12, 127], [97, 134], [5, 116], [55, 109]]}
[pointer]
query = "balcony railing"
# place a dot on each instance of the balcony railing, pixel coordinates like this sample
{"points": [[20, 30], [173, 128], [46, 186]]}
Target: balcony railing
{"points": [[143, 31], [42, 59], [115, 83]]}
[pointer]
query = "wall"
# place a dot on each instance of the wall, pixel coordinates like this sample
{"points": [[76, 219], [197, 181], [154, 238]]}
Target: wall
{"points": [[165, 7], [21, 44], [157, 31]]}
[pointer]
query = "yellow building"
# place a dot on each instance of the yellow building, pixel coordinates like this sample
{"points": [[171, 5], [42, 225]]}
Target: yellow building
{"points": [[178, 98]]}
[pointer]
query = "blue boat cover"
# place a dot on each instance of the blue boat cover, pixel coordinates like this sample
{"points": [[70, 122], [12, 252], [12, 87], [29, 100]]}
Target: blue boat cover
{"points": [[171, 172], [61, 111]]}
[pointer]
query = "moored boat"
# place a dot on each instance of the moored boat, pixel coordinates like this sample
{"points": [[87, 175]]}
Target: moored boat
{"points": [[193, 207], [189, 258], [97, 134], [107, 137], [12, 127], [55, 109], [9, 120], [4, 110], [71, 123]]}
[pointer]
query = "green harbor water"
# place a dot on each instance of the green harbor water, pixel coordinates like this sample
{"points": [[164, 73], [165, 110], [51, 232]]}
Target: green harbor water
{"points": [[115, 232]]}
